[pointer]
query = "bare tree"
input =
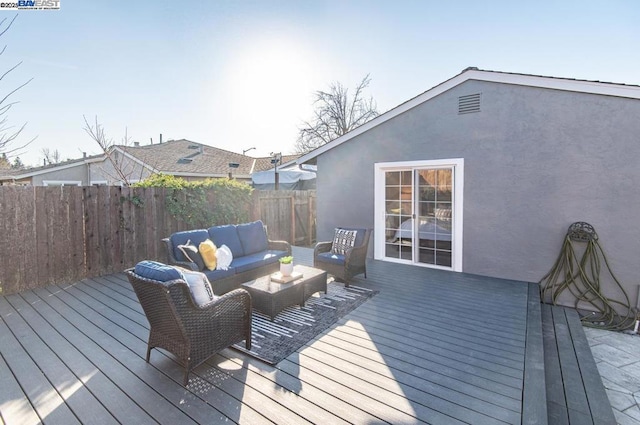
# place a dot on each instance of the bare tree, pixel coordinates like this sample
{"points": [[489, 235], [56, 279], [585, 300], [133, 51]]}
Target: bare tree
{"points": [[51, 157], [123, 169], [8, 133], [336, 113]]}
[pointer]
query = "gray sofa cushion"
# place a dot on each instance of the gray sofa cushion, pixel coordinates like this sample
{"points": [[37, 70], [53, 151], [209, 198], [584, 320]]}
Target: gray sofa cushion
{"points": [[253, 237], [227, 235]]}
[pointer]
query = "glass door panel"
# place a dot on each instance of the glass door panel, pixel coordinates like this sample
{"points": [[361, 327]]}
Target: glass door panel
{"points": [[433, 227], [398, 214]]}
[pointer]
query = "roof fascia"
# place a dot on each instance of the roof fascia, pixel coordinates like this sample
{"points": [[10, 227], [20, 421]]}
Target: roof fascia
{"points": [[591, 87]]}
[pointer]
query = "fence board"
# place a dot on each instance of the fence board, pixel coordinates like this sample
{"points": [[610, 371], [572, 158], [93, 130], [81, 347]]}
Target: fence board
{"points": [[42, 229], [76, 234], [5, 237], [92, 242], [57, 218], [13, 264], [117, 232], [154, 215]]}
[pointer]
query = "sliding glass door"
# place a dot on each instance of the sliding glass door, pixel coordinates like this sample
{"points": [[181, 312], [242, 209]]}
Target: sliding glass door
{"points": [[418, 213]]}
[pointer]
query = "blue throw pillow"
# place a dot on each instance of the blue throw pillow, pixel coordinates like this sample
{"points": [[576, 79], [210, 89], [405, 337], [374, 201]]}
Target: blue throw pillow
{"points": [[157, 271]]}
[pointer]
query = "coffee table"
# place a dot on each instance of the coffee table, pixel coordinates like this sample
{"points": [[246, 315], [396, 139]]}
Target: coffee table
{"points": [[271, 297]]}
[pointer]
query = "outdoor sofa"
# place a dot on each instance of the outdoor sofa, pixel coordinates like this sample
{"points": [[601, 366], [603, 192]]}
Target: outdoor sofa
{"points": [[254, 255]]}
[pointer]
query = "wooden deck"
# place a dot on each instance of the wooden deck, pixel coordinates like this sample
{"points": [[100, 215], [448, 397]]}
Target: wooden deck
{"points": [[431, 347]]}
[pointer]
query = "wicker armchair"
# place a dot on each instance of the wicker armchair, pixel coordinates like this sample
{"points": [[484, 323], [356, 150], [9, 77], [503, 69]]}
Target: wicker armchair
{"points": [[191, 333], [343, 267]]}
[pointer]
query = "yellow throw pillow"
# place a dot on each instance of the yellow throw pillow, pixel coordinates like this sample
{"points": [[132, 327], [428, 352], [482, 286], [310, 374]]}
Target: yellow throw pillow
{"points": [[207, 250]]}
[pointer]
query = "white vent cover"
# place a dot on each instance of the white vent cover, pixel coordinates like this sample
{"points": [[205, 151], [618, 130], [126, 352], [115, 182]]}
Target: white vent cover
{"points": [[469, 103]]}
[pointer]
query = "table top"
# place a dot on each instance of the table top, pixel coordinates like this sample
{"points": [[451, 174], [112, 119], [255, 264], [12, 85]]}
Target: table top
{"points": [[265, 284]]}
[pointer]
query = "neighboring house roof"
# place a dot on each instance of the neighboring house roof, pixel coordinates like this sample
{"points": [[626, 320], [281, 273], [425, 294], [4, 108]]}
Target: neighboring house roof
{"points": [[182, 158], [189, 159], [556, 83], [186, 158]]}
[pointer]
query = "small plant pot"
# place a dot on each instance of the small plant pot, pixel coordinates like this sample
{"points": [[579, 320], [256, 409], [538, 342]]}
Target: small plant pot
{"points": [[286, 269]]}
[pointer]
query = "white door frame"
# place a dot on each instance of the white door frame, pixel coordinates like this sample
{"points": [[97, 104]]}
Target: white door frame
{"points": [[457, 164]]}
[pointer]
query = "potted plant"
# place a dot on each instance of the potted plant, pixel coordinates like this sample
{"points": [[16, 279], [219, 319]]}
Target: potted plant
{"points": [[286, 265]]}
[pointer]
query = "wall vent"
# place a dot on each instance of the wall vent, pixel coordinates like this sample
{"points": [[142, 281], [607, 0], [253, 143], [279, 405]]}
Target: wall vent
{"points": [[469, 103]]}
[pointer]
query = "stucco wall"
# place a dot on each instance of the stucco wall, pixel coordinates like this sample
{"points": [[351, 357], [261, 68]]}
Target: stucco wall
{"points": [[536, 160], [75, 173], [105, 171]]}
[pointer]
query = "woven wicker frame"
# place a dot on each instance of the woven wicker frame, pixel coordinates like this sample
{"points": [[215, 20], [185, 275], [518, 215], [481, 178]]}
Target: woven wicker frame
{"points": [[355, 260], [191, 333]]}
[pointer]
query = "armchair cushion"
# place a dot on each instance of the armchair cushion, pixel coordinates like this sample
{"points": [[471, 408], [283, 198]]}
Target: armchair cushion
{"points": [[327, 257], [253, 237], [227, 235], [199, 287], [157, 271], [343, 240]]}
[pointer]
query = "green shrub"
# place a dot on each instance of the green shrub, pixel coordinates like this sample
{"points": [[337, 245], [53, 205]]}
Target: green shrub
{"points": [[204, 203]]}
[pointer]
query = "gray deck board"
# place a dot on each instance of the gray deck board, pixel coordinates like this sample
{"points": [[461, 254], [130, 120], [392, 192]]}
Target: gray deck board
{"points": [[534, 398], [16, 407], [599, 404], [432, 347], [77, 397], [46, 401], [575, 392]]}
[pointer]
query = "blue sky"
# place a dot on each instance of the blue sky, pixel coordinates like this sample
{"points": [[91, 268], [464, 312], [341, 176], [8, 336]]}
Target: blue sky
{"points": [[241, 74]]}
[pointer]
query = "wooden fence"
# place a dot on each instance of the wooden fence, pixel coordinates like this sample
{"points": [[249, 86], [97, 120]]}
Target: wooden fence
{"points": [[64, 234]]}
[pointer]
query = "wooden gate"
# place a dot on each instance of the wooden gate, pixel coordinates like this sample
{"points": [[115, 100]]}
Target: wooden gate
{"points": [[289, 215]]}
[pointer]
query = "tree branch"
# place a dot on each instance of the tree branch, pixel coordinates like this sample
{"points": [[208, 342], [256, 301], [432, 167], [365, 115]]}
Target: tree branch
{"points": [[335, 114]]}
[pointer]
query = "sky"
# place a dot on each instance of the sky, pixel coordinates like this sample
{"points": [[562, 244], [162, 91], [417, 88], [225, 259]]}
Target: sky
{"points": [[241, 74]]}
